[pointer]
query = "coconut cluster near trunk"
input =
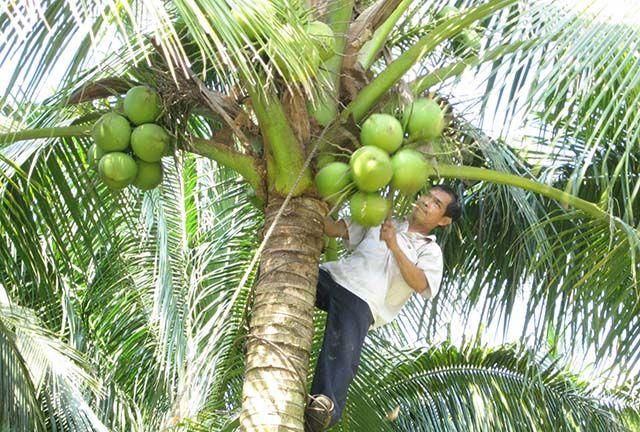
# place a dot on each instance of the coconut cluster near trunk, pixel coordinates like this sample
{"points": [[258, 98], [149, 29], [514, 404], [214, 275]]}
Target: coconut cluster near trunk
{"points": [[128, 148], [301, 38], [385, 162]]}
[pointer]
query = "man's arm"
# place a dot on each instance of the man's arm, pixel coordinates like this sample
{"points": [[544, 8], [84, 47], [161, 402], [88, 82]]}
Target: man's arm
{"points": [[412, 274], [336, 228], [414, 277]]}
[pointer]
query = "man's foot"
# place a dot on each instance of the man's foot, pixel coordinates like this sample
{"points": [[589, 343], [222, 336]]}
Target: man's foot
{"points": [[317, 416]]}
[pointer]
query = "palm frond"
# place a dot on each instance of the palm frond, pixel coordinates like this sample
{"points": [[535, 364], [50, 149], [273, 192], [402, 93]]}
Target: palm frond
{"points": [[60, 375], [19, 399], [247, 43], [446, 388]]}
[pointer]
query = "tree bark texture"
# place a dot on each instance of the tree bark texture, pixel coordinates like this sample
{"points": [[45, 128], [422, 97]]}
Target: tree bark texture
{"points": [[281, 329]]}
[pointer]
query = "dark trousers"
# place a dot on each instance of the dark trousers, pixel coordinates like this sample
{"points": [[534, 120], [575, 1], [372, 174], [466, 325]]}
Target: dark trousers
{"points": [[348, 319]]}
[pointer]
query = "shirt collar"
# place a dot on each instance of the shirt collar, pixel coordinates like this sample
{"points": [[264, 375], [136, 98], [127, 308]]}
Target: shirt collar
{"points": [[417, 235]]}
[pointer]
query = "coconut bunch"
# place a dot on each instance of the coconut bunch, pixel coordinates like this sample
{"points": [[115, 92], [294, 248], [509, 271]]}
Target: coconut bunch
{"points": [[385, 159], [128, 148], [317, 44], [321, 48]]}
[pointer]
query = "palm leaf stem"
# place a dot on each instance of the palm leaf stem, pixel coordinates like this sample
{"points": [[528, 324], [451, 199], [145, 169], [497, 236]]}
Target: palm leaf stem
{"points": [[370, 50], [483, 174], [326, 109], [245, 165], [29, 134], [439, 75], [282, 144], [370, 95]]}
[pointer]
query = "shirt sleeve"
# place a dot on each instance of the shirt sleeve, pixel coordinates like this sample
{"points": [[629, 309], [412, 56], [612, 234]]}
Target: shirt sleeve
{"points": [[356, 234], [431, 263]]}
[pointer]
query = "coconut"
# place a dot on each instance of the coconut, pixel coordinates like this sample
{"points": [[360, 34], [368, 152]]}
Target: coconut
{"points": [[323, 37], [333, 179], [142, 105], [423, 119], [93, 156], [369, 209], [409, 171], [111, 132], [149, 142], [251, 14], [383, 131], [294, 45], [117, 169], [370, 168], [149, 175]]}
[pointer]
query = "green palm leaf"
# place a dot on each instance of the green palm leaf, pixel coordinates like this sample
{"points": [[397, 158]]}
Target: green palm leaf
{"points": [[472, 388]]}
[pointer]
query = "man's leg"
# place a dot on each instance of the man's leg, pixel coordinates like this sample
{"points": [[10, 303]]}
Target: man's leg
{"points": [[348, 319], [323, 290]]}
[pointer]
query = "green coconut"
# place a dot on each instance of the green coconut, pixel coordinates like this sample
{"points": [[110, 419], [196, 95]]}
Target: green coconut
{"points": [[370, 168], [369, 209], [383, 131], [423, 119], [409, 171], [111, 132], [332, 180], [142, 105], [94, 155], [149, 175], [323, 37], [117, 169], [295, 45], [252, 14], [150, 142]]}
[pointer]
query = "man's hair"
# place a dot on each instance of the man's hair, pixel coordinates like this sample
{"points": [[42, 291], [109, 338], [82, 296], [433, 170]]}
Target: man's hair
{"points": [[454, 209]]}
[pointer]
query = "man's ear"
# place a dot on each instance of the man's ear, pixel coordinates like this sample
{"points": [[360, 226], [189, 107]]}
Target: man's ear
{"points": [[444, 221]]}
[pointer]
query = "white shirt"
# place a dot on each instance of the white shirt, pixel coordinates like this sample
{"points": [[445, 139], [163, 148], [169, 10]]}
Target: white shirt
{"points": [[371, 272]]}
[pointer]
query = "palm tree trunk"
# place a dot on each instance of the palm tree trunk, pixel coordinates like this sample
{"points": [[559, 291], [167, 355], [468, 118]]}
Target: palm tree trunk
{"points": [[281, 330]]}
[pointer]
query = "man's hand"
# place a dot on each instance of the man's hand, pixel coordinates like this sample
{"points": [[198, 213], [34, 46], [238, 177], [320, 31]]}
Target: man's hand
{"points": [[413, 276], [335, 228], [388, 234]]}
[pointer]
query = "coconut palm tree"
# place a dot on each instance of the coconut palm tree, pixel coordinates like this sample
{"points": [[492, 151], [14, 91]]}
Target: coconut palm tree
{"points": [[162, 313]]}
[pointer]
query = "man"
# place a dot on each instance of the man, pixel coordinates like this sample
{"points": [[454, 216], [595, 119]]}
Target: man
{"points": [[368, 288]]}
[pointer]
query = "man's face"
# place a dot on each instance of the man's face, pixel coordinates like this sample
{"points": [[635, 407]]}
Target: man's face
{"points": [[429, 209]]}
